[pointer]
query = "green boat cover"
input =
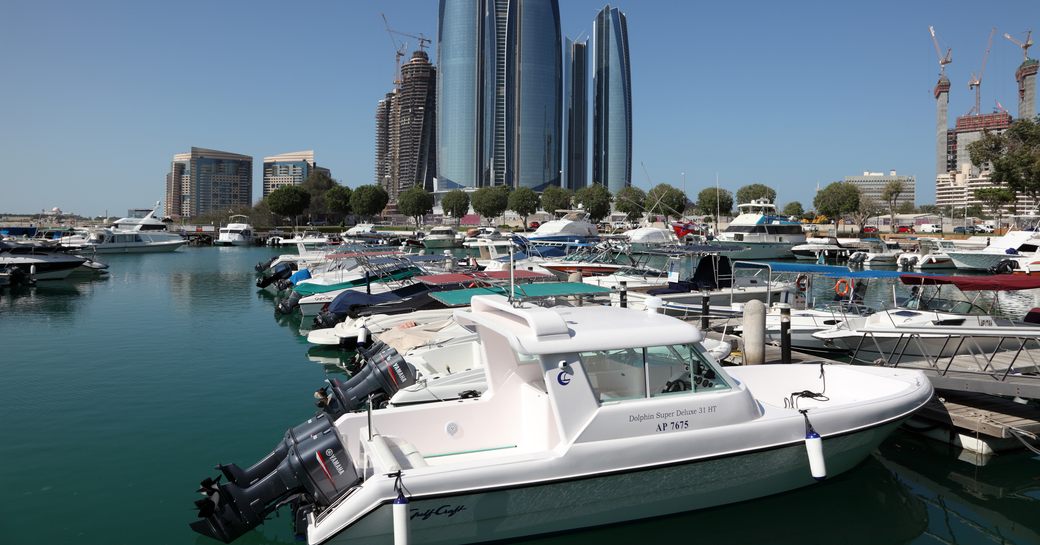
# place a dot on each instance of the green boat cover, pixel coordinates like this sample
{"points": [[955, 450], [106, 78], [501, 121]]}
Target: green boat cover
{"points": [[459, 298], [310, 289]]}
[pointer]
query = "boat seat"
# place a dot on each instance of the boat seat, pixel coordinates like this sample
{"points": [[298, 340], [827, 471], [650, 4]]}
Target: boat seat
{"points": [[395, 453]]}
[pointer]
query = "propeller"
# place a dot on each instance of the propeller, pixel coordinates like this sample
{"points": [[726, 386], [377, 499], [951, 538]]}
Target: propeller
{"points": [[209, 485]]}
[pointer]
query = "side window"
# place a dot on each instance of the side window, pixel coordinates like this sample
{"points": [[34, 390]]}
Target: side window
{"points": [[616, 374], [680, 368]]}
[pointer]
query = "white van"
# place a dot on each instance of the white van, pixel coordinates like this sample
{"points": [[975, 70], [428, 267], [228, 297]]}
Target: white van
{"points": [[929, 228]]}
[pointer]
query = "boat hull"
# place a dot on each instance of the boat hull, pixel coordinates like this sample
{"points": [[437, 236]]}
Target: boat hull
{"points": [[440, 243], [977, 261], [132, 248], [761, 250], [532, 509]]}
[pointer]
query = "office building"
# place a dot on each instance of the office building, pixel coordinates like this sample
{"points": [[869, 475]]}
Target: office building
{"points": [[205, 180], [575, 115], [289, 169], [500, 94], [612, 102], [872, 185]]}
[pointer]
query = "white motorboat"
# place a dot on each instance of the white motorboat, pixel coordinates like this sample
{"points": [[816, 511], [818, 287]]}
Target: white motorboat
{"points": [[442, 237], [235, 233], [307, 238], [649, 237], [140, 232], [827, 247], [931, 253], [766, 234], [1011, 245], [487, 237], [39, 263], [947, 313], [592, 415], [573, 226], [879, 252]]}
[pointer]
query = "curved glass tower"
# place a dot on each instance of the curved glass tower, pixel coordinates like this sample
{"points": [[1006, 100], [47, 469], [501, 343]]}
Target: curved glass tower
{"points": [[612, 114], [460, 96], [538, 93]]}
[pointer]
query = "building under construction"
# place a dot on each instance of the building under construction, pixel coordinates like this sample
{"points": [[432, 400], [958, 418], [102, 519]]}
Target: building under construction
{"points": [[956, 177], [405, 130]]}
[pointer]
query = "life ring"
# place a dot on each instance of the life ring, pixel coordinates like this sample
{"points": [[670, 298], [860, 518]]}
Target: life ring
{"points": [[843, 287], [802, 282]]}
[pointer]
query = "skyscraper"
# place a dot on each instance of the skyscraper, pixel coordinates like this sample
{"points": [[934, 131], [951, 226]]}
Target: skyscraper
{"points": [[500, 93], [412, 143], [942, 105], [205, 180], [287, 169], [1026, 78], [612, 113], [575, 115], [383, 109], [460, 100]]}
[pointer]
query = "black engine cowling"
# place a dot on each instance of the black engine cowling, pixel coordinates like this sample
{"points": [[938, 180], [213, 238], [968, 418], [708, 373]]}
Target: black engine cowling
{"points": [[282, 272], [384, 373]]}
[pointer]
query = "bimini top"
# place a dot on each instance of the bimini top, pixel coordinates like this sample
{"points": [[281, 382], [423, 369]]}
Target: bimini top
{"points": [[782, 267], [562, 330], [975, 283]]}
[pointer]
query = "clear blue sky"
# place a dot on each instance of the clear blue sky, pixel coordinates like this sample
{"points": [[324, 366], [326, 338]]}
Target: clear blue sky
{"points": [[96, 97]]}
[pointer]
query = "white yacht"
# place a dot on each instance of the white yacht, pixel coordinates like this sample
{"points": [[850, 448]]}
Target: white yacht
{"points": [[1011, 245], [764, 233], [878, 252], [573, 226], [826, 247], [37, 262], [140, 232], [307, 238], [442, 237], [235, 233], [592, 415], [931, 253]]}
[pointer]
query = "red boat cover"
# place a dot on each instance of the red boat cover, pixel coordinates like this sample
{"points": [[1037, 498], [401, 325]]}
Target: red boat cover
{"points": [[1000, 282], [461, 278]]}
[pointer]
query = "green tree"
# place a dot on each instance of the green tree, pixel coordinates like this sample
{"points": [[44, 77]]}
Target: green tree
{"points": [[1013, 156], [595, 200], [456, 204], [928, 209], [290, 200], [890, 195], [995, 199], [712, 201], [866, 209], [556, 198], [837, 199], [793, 208], [755, 191], [524, 201], [369, 200], [415, 203], [337, 200], [630, 201], [318, 183], [490, 202], [665, 200]]}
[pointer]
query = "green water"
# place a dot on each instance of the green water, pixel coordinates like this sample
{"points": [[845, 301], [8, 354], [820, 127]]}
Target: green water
{"points": [[118, 395]]}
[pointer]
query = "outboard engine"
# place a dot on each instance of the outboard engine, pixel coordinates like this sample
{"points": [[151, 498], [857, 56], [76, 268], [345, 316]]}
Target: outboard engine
{"points": [[282, 272], [310, 469], [1006, 266], [326, 319], [263, 265], [288, 304], [382, 376]]}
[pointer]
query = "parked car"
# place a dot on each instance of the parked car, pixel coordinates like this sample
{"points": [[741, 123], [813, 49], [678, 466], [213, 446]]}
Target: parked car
{"points": [[904, 228], [983, 228], [534, 225], [964, 230], [929, 228], [870, 230]]}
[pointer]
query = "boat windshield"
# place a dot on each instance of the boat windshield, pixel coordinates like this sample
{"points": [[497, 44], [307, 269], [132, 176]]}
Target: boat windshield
{"points": [[934, 299], [638, 373]]}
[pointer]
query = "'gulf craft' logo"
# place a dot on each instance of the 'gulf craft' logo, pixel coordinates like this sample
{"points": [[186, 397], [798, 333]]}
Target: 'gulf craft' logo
{"points": [[564, 378]]}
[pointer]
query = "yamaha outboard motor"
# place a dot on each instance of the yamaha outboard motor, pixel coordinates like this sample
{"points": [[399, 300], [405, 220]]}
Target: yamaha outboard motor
{"points": [[311, 474], [383, 375], [282, 272], [263, 265], [288, 304]]}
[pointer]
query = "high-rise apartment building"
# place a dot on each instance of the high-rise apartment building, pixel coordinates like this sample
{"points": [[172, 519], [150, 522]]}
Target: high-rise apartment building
{"points": [[289, 169], [575, 115], [412, 145], [872, 185], [1026, 78], [500, 93], [204, 180], [383, 109], [612, 110]]}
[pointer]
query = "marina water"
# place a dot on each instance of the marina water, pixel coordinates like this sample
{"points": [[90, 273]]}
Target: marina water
{"points": [[119, 394]]}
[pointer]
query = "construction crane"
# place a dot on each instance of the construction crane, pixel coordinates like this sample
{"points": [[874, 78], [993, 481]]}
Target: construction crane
{"points": [[1024, 45], [421, 38], [975, 83], [399, 51], [943, 59]]}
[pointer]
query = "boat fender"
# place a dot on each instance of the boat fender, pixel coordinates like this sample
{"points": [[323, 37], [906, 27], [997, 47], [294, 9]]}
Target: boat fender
{"points": [[400, 511], [362, 336], [814, 449], [843, 287]]}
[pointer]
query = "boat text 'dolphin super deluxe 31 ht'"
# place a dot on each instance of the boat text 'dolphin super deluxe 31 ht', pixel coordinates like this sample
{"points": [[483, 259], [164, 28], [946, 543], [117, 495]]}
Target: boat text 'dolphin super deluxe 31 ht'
{"points": [[592, 415]]}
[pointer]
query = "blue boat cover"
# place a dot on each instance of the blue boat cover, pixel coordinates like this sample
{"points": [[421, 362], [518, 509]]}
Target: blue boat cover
{"points": [[868, 274], [302, 274], [783, 267], [351, 299]]}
